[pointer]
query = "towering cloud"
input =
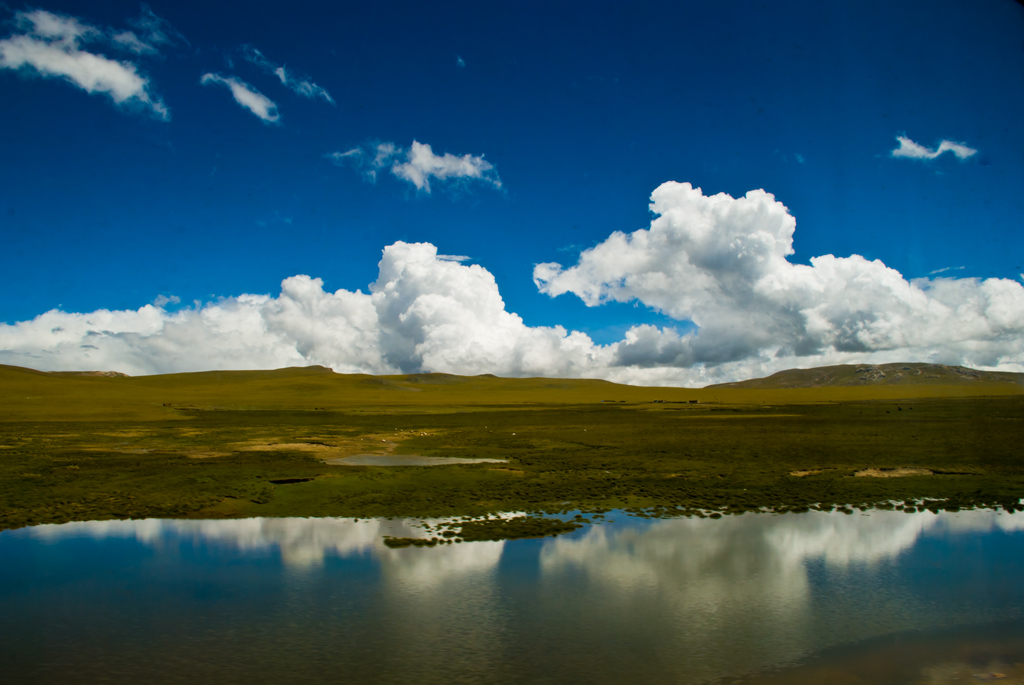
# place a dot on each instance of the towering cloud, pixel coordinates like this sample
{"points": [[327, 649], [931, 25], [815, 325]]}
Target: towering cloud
{"points": [[719, 261], [425, 311]]}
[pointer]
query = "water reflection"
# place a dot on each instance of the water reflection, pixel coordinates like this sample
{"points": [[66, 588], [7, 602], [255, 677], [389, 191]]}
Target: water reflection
{"points": [[679, 550], [302, 543], [639, 553], [749, 591], [681, 600]]}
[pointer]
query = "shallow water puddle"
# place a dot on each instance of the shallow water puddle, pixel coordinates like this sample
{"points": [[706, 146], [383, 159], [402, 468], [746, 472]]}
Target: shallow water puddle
{"points": [[406, 460]]}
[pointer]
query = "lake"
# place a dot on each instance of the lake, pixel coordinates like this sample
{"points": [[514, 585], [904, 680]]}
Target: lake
{"points": [[873, 597]]}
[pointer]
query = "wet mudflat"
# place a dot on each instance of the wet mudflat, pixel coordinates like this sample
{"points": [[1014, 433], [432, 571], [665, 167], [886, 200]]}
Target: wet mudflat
{"points": [[873, 597]]}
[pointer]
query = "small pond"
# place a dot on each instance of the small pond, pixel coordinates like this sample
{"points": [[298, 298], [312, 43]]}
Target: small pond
{"points": [[872, 597]]}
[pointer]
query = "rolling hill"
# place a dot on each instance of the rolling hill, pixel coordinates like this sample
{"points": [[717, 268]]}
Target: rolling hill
{"points": [[853, 375]]}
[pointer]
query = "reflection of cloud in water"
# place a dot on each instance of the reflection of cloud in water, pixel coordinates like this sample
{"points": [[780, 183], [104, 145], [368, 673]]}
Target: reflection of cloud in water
{"points": [[681, 550], [841, 539], [716, 560], [682, 600], [646, 556], [746, 580], [302, 542], [423, 568], [979, 521], [700, 562], [712, 596]]}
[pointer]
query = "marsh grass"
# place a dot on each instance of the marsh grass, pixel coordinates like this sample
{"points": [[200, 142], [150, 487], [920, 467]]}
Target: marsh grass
{"points": [[235, 444]]}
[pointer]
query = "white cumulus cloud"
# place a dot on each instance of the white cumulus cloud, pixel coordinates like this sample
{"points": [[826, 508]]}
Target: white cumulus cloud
{"points": [[51, 45], [424, 312], [300, 85], [421, 164], [162, 300], [722, 262], [418, 164], [911, 150], [247, 96], [718, 261]]}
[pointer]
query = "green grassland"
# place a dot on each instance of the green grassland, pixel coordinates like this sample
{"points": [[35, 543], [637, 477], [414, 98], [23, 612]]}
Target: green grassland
{"points": [[255, 443]]}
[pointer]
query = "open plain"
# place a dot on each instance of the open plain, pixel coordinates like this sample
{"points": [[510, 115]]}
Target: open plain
{"points": [[275, 443]]}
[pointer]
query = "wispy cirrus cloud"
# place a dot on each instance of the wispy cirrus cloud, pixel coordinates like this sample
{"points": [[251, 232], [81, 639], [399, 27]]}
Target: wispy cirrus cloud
{"points": [[131, 42], [247, 96], [417, 164], [910, 150], [300, 85], [151, 33], [946, 268], [52, 46]]}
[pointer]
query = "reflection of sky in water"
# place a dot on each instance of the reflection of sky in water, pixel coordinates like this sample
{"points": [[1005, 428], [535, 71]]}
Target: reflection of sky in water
{"points": [[744, 591], [301, 542], [630, 555], [663, 600]]}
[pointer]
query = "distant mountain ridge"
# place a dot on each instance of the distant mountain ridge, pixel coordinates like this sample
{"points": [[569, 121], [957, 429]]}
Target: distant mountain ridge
{"points": [[846, 375], [96, 374], [103, 374], [851, 375]]}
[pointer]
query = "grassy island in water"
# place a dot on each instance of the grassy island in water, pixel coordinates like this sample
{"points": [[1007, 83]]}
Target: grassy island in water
{"points": [[309, 442]]}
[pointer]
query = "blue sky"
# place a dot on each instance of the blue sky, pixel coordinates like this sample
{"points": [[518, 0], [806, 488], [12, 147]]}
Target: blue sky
{"points": [[569, 116]]}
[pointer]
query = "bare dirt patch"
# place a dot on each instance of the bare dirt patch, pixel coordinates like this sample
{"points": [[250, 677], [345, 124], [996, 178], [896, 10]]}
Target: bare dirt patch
{"points": [[900, 472], [322, 450], [126, 434], [810, 472], [334, 447]]}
